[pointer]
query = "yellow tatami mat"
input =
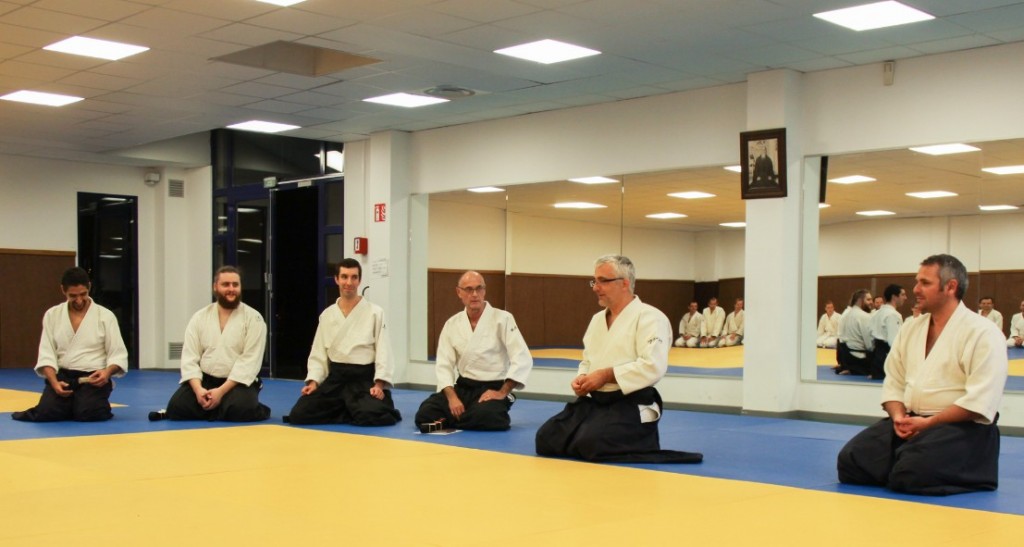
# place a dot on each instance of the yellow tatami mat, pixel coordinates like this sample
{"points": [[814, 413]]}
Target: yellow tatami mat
{"points": [[12, 400], [277, 485]]}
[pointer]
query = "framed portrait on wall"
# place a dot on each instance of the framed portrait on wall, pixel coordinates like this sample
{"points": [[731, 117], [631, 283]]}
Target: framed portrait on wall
{"points": [[763, 164]]}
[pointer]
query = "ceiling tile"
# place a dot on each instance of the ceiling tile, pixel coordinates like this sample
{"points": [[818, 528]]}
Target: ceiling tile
{"points": [[62, 23], [108, 10]]}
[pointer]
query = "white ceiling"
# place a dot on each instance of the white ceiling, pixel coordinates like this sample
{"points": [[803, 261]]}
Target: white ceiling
{"points": [[650, 47]]}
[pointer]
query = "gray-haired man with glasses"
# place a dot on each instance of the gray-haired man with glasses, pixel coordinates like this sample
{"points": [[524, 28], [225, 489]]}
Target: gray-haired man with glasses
{"points": [[481, 358], [625, 352]]}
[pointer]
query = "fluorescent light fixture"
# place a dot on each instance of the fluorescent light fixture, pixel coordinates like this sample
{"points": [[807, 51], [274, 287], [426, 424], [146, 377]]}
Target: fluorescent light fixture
{"points": [[263, 127], [485, 189], [852, 179], [110, 256], [666, 215], [872, 16], [91, 47], [734, 168], [547, 51], [335, 160], [1005, 170], [579, 205], [823, 206], [245, 210], [877, 213], [405, 100], [943, 149], [998, 207], [691, 195], [593, 180], [250, 240], [283, 3], [734, 224], [114, 200], [932, 194], [38, 97]]}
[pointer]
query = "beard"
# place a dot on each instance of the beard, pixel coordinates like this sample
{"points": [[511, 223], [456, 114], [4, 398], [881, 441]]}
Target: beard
{"points": [[228, 304]]}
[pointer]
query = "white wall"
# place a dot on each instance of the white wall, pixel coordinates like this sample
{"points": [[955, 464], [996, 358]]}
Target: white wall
{"points": [[466, 237]]}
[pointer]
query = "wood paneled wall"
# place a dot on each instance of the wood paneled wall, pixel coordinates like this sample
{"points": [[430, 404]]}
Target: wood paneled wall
{"points": [[443, 302], [30, 284]]}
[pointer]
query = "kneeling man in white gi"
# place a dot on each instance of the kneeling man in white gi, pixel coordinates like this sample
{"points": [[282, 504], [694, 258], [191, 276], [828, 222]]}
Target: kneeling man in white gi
{"points": [[625, 352]]}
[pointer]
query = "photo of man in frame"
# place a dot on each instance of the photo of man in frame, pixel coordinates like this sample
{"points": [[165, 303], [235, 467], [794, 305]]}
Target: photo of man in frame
{"points": [[763, 156]]}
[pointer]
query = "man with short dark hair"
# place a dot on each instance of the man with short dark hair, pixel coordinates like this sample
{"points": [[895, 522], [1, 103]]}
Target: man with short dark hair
{"points": [[481, 358], [713, 324], [853, 351], [349, 370], [884, 326], [828, 327], [986, 308], [944, 381], [1016, 337], [221, 359], [690, 327], [79, 351], [625, 352], [732, 335]]}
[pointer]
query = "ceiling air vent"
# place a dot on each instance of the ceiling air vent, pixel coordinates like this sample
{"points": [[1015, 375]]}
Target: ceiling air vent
{"points": [[175, 188]]}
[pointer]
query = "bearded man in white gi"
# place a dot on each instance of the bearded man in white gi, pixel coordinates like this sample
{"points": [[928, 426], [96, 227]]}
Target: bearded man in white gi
{"points": [[713, 325], [625, 352], [690, 328], [733, 333], [1016, 337], [349, 370], [884, 326], [481, 358], [855, 346], [828, 327], [944, 380], [221, 359], [80, 349]]}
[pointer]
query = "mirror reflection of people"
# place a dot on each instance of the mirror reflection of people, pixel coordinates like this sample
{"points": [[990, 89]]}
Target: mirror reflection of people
{"points": [[1016, 337], [944, 381], [855, 346], [481, 358], [885, 323], [763, 174], [733, 333], [986, 309], [625, 352], [79, 351], [828, 327], [221, 359], [713, 324], [350, 368], [690, 327]]}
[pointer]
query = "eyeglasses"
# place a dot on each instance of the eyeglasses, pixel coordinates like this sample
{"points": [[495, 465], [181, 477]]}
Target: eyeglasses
{"points": [[471, 290], [602, 281]]}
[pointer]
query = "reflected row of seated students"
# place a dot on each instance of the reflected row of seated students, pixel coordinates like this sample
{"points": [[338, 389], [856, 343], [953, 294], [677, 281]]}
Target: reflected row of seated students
{"points": [[711, 328], [943, 379]]}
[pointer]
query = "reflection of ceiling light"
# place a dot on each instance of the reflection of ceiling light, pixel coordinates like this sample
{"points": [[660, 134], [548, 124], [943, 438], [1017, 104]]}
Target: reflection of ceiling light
{"points": [[872, 16], [117, 238], [110, 256], [593, 180], [875, 213], [666, 215], [246, 210], [579, 205], [691, 195], [734, 168], [998, 207], [547, 51], [1005, 170], [485, 189], [852, 179], [734, 224], [405, 100], [250, 240], [932, 194], [823, 206], [284, 3], [263, 127], [115, 200], [38, 97], [335, 160], [943, 149], [91, 47]]}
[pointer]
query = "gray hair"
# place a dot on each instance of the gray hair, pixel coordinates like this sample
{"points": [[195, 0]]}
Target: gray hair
{"points": [[950, 268], [623, 268]]}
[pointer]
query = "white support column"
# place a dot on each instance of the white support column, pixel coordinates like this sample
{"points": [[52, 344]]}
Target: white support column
{"points": [[775, 274]]}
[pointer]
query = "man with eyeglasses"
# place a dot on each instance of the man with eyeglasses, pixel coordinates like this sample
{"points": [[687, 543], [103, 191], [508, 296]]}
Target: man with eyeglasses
{"points": [[481, 358], [625, 352], [349, 370]]}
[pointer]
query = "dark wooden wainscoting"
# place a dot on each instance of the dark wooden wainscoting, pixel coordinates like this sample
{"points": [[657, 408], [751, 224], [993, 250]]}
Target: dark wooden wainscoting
{"points": [[30, 283]]}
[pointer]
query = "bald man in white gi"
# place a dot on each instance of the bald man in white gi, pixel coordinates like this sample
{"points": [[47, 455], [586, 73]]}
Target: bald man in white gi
{"points": [[79, 351], [221, 359], [625, 352], [690, 327], [828, 327], [713, 325], [944, 381], [1016, 337], [733, 333], [481, 358], [350, 368]]}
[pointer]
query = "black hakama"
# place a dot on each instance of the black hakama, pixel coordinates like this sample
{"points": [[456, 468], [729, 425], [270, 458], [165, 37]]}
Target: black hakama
{"points": [[486, 416], [344, 398], [241, 404], [87, 404]]}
